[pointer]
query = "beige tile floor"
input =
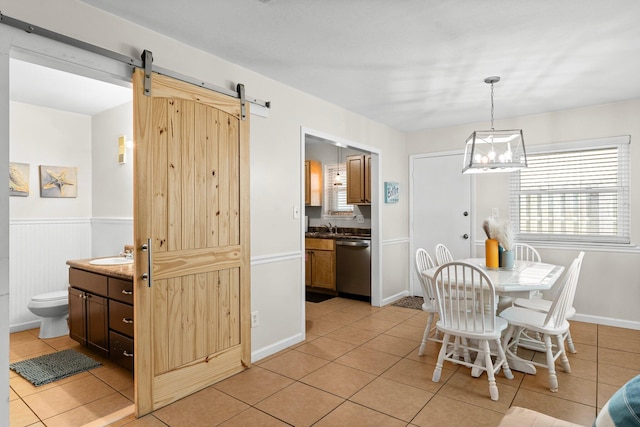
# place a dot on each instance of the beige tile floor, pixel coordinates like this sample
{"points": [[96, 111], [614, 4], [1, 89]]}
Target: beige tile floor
{"points": [[358, 366]]}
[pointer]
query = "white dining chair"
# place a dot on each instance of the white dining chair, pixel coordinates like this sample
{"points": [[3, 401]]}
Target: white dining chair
{"points": [[425, 262], [469, 317], [552, 324], [536, 302], [525, 252], [443, 255]]}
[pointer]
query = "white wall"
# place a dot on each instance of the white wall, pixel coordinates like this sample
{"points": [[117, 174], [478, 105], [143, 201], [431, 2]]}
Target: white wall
{"points": [[276, 170], [112, 204], [42, 136], [608, 290]]}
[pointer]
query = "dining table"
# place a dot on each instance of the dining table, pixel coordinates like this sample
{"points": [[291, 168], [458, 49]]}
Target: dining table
{"points": [[525, 278]]}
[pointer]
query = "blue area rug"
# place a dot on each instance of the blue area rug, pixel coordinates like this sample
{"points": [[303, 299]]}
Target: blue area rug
{"points": [[51, 367]]}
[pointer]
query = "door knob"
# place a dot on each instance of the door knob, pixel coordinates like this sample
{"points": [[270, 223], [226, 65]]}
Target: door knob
{"points": [[465, 236]]}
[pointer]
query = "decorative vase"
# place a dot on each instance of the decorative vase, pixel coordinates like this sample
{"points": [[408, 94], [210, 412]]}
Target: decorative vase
{"points": [[508, 260], [491, 253]]}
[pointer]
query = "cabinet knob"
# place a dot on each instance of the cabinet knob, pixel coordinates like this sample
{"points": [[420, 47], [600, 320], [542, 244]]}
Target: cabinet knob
{"points": [[465, 236], [125, 320]]}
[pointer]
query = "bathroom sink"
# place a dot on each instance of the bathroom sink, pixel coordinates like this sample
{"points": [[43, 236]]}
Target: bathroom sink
{"points": [[111, 261]]}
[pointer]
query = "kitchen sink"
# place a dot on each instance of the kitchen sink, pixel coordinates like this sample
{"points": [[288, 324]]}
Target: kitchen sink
{"points": [[111, 261]]}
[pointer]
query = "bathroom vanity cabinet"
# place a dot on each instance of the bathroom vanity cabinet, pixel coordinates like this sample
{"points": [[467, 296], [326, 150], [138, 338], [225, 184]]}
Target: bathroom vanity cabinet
{"points": [[101, 313]]}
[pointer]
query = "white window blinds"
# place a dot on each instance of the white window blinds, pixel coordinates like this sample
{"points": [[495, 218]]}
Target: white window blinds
{"points": [[573, 195], [335, 196]]}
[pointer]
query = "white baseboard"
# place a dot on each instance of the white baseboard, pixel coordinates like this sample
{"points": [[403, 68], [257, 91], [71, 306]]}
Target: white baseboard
{"points": [[608, 321], [24, 326], [394, 298], [276, 347]]}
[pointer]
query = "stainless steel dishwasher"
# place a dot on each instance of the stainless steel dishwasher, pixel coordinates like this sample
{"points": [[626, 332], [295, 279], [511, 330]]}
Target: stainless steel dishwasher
{"points": [[353, 267]]}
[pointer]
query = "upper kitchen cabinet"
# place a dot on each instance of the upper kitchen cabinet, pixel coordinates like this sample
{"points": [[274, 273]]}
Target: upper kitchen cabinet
{"points": [[359, 179], [312, 183]]}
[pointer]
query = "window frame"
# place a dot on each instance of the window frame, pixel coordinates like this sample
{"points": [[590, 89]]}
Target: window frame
{"points": [[329, 190], [623, 209]]}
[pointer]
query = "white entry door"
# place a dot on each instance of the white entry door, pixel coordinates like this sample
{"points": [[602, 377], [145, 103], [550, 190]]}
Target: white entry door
{"points": [[440, 208]]}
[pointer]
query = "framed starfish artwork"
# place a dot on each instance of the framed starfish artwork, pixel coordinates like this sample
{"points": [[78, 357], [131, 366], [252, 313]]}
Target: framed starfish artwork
{"points": [[58, 181], [18, 179]]}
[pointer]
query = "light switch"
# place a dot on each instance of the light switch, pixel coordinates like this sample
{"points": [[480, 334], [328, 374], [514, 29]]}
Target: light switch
{"points": [[296, 212]]}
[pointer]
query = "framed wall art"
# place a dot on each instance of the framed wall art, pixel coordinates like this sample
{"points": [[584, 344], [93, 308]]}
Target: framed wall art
{"points": [[18, 179], [391, 192], [58, 181]]}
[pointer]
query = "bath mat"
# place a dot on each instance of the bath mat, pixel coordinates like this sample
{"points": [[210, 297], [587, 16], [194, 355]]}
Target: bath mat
{"points": [[410, 302], [51, 367], [316, 296]]}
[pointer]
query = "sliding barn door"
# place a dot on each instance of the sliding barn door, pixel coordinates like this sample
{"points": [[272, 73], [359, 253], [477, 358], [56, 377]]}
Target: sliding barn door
{"points": [[191, 201]]}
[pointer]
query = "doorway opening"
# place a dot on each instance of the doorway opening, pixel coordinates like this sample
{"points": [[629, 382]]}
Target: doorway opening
{"points": [[331, 216], [62, 114]]}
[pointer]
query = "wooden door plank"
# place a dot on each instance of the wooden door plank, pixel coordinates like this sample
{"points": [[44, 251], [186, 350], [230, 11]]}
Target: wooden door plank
{"points": [[187, 313], [224, 310], [187, 176], [160, 190], [213, 163], [166, 87], [202, 304], [174, 187], [223, 180], [212, 314], [199, 374], [201, 135], [171, 264], [173, 312], [142, 219], [161, 326]]}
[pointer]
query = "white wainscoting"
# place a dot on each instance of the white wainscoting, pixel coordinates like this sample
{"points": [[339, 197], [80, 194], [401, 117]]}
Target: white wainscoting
{"points": [[38, 252]]}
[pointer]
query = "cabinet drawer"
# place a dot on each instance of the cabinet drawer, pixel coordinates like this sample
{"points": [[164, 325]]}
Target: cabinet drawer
{"points": [[87, 281], [321, 244], [121, 317], [121, 290], [121, 350]]}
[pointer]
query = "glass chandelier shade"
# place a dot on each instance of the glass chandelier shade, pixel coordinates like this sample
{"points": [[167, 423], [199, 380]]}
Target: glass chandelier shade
{"points": [[494, 150]]}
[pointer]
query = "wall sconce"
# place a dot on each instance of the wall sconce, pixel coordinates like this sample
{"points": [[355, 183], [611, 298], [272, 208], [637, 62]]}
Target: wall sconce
{"points": [[123, 144]]}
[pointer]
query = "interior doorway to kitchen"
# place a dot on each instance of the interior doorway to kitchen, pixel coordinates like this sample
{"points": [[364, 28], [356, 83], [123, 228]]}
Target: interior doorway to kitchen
{"points": [[335, 150]]}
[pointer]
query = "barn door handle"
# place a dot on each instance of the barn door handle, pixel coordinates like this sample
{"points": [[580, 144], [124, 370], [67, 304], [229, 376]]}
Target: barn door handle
{"points": [[147, 276]]}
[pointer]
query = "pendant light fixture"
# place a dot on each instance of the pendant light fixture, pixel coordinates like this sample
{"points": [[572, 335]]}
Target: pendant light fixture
{"points": [[494, 150], [338, 179]]}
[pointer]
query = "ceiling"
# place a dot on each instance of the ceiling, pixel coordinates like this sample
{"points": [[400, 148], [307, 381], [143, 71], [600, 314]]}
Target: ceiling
{"points": [[417, 64], [38, 85]]}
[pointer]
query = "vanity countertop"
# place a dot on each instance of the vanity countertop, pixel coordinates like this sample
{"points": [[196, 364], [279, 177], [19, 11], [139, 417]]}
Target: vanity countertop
{"points": [[123, 271]]}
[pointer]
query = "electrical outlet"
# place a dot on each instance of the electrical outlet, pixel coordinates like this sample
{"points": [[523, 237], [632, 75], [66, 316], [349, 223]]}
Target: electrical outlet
{"points": [[254, 319], [360, 219], [495, 212]]}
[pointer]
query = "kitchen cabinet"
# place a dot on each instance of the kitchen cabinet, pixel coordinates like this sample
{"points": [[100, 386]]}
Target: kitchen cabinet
{"points": [[320, 264], [313, 183], [101, 314], [358, 179]]}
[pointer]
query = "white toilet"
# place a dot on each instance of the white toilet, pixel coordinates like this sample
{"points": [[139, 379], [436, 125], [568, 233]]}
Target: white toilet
{"points": [[53, 307]]}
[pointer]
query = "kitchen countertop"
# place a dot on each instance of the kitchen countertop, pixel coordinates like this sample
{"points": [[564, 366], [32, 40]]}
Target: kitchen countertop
{"points": [[336, 236], [122, 271]]}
